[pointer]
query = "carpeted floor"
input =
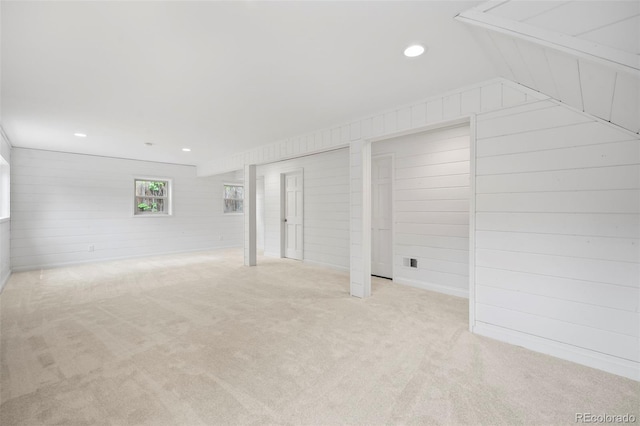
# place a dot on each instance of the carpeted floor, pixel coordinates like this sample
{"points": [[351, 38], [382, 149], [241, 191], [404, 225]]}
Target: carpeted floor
{"points": [[199, 339]]}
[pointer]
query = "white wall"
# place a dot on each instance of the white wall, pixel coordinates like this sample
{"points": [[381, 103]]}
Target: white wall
{"points": [[431, 208], [5, 225], [63, 203], [558, 235], [260, 213], [326, 206]]}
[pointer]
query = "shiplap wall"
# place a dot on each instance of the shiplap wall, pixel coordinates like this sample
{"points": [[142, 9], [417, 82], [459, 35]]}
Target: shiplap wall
{"points": [[63, 203], [326, 206], [558, 235], [5, 225], [431, 208]]}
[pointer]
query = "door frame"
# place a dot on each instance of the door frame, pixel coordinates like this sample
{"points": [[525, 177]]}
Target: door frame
{"points": [[283, 206], [393, 208]]}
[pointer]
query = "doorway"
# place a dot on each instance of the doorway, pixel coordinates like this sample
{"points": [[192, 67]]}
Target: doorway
{"points": [[293, 215], [381, 216]]}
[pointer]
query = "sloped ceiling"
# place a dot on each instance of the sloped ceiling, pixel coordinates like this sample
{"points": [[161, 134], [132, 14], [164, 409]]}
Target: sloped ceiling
{"points": [[583, 53]]}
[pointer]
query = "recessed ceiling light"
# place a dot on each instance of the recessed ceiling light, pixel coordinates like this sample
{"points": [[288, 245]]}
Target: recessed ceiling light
{"points": [[186, 149], [413, 51], [80, 135]]}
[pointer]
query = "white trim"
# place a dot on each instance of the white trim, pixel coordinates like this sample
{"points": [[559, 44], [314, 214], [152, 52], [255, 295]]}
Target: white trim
{"points": [[249, 210], [366, 218], [458, 121], [169, 196], [5, 280], [433, 287], [110, 259], [5, 219], [472, 223], [619, 59], [608, 363], [524, 89], [366, 194], [4, 136], [594, 118]]}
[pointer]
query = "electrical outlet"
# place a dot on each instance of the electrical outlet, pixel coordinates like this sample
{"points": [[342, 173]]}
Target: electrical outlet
{"points": [[92, 247]]}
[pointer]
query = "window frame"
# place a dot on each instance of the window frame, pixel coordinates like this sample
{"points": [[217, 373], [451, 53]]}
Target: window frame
{"points": [[224, 185], [168, 198]]}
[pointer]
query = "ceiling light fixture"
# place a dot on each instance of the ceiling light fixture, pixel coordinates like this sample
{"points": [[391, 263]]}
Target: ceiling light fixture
{"points": [[186, 149], [413, 51], [80, 135]]}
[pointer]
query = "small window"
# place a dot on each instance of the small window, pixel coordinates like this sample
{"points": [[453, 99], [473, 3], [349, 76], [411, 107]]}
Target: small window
{"points": [[233, 198], [152, 197], [4, 189]]}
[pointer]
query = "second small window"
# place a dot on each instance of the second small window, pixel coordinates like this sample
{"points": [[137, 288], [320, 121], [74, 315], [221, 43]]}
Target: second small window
{"points": [[233, 198]]}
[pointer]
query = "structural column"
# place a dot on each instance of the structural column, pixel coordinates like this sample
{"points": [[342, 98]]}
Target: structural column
{"points": [[360, 218], [250, 233]]}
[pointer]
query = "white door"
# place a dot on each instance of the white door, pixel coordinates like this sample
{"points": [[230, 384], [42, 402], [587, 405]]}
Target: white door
{"points": [[293, 215], [381, 204]]}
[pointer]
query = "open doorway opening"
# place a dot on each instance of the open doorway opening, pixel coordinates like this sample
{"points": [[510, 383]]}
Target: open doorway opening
{"points": [[382, 216], [428, 175]]}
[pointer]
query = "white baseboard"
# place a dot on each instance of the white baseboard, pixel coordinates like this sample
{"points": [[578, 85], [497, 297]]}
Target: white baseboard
{"points": [[109, 259], [271, 254], [5, 280], [327, 265], [433, 287], [600, 361]]}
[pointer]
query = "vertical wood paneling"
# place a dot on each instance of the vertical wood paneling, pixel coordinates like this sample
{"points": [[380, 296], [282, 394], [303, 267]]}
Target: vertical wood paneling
{"points": [[567, 77], [558, 203], [433, 168], [64, 203], [512, 55], [626, 102], [598, 83], [458, 104]]}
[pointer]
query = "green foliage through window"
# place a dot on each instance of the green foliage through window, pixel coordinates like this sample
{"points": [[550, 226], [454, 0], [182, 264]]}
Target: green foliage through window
{"points": [[152, 197]]}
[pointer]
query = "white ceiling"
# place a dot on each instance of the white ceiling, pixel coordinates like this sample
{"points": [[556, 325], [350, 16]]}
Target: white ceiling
{"points": [[588, 58], [218, 77]]}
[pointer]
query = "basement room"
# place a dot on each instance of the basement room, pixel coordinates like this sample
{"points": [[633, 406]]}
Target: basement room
{"points": [[319, 213]]}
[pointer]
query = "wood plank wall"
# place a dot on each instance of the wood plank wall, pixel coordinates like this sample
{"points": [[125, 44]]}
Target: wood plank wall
{"points": [[558, 232], [63, 203]]}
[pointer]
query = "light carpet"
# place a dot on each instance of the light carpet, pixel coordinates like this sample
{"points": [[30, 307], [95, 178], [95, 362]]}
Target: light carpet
{"points": [[198, 339]]}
